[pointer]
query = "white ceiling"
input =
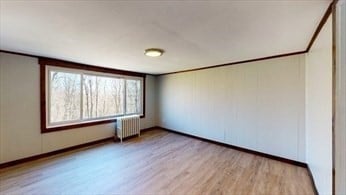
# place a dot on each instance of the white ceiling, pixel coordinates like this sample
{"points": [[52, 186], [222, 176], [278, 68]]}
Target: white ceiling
{"points": [[193, 33]]}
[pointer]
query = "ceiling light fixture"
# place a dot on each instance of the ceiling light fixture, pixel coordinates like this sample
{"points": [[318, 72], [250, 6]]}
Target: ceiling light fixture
{"points": [[153, 52]]}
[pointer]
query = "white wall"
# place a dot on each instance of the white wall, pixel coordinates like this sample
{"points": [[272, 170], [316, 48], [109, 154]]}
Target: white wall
{"points": [[257, 105], [20, 113], [340, 123], [319, 109]]}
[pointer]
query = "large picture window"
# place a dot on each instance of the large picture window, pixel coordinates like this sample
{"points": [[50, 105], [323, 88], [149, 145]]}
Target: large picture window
{"points": [[77, 97], [103, 96]]}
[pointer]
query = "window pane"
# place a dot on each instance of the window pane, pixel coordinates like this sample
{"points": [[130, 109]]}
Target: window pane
{"points": [[102, 96], [133, 96], [64, 96]]}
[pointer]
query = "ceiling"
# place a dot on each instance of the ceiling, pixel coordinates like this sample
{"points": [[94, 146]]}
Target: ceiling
{"points": [[194, 34]]}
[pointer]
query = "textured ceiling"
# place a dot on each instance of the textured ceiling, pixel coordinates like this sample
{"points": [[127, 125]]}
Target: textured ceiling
{"points": [[194, 33]]}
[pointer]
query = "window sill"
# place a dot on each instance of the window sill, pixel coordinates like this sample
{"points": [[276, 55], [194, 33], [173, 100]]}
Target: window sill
{"points": [[79, 125]]}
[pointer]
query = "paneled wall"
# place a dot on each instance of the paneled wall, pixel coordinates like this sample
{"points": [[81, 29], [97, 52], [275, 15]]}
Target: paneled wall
{"points": [[20, 135], [340, 126], [259, 105], [319, 109]]}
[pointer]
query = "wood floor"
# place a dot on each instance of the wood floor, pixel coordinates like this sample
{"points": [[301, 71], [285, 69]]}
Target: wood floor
{"points": [[158, 162]]}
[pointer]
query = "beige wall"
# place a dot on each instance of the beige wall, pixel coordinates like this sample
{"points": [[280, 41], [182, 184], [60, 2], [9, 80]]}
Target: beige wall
{"points": [[20, 113], [257, 105], [340, 126], [319, 109]]}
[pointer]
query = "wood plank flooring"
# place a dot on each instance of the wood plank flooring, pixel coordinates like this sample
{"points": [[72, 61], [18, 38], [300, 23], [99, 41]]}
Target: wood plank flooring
{"points": [[158, 162]]}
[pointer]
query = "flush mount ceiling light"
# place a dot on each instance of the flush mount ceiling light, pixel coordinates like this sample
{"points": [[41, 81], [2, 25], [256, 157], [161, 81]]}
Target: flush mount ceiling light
{"points": [[154, 52]]}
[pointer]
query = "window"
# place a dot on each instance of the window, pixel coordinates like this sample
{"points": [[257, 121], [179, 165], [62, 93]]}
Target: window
{"points": [[103, 97], [133, 96], [75, 97], [65, 90]]}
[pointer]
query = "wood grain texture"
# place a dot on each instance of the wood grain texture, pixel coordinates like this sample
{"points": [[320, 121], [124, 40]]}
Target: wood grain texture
{"points": [[158, 162], [285, 160]]}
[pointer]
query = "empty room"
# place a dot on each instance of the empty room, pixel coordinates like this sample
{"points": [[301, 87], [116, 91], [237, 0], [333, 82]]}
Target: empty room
{"points": [[173, 97]]}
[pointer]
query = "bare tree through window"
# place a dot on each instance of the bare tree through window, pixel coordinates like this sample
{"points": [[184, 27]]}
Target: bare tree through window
{"points": [[133, 96], [102, 96], [78, 96], [64, 96]]}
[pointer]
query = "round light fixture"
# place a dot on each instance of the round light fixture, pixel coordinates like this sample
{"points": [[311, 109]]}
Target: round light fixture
{"points": [[153, 52]]}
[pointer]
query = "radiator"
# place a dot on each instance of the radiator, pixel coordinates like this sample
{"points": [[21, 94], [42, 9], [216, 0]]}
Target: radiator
{"points": [[128, 126]]}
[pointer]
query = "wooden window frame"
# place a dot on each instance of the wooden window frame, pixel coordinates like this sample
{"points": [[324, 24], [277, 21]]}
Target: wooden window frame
{"points": [[45, 62]]}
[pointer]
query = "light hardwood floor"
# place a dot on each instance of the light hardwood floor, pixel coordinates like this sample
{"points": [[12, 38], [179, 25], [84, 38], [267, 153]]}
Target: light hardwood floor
{"points": [[158, 162]]}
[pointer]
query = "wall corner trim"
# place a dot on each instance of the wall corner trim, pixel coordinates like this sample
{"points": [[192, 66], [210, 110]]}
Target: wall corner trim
{"points": [[312, 180]]}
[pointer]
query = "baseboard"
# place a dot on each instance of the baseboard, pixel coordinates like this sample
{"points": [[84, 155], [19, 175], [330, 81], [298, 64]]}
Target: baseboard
{"points": [[32, 158], [36, 157], [312, 180], [273, 157], [116, 139], [39, 156], [285, 160], [150, 129]]}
